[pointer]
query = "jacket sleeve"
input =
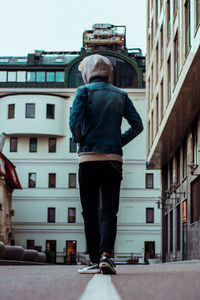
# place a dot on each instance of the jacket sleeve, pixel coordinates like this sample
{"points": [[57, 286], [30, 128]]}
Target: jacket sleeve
{"points": [[134, 120], [77, 114]]}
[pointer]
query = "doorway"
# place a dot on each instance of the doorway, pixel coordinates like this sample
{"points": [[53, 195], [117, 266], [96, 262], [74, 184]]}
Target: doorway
{"points": [[51, 251], [71, 252], [149, 248]]}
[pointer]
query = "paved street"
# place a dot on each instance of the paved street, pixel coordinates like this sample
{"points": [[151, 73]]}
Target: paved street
{"points": [[171, 281]]}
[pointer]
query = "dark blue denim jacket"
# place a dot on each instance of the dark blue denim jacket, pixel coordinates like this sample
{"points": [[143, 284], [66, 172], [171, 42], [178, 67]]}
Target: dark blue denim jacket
{"points": [[96, 117]]}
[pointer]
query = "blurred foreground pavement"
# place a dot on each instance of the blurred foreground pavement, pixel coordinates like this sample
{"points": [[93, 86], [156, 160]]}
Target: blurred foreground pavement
{"points": [[170, 281]]}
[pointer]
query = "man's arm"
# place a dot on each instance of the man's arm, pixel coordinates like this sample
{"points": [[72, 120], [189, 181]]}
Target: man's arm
{"points": [[77, 114], [134, 120]]}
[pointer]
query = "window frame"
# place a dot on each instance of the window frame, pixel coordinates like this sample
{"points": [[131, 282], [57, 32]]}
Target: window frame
{"points": [[31, 139], [73, 218], [146, 184], [149, 220], [50, 185], [48, 115], [29, 178], [49, 146], [11, 139], [48, 215], [27, 116], [11, 111], [70, 186]]}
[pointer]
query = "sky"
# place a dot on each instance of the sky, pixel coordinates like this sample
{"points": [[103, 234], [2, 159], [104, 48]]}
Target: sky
{"points": [[51, 25]]}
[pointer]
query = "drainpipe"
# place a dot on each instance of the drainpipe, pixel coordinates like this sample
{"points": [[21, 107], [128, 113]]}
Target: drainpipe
{"points": [[2, 141]]}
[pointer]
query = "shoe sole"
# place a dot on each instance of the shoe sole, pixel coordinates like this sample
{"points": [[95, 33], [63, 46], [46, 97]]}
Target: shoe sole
{"points": [[107, 269]]}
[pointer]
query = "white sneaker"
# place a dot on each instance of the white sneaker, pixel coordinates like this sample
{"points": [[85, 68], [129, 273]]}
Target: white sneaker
{"points": [[90, 269]]}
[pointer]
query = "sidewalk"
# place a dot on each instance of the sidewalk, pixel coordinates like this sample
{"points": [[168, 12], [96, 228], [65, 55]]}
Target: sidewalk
{"points": [[170, 281]]}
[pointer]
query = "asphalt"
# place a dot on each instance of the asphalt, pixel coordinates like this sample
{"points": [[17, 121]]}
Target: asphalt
{"points": [[170, 281]]}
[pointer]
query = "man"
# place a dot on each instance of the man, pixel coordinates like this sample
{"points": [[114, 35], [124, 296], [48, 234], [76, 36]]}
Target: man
{"points": [[95, 122]]}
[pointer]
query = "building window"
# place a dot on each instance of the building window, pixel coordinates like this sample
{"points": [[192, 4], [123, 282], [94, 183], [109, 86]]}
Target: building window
{"points": [[12, 76], [3, 76], [11, 111], [50, 111], [40, 76], [51, 215], [171, 171], [195, 207], [157, 64], [149, 181], [187, 27], [149, 215], [50, 76], [13, 144], [197, 8], [176, 55], [178, 166], [30, 110], [33, 145], [168, 18], [171, 230], [184, 159], [21, 76], [71, 215], [72, 146], [59, 76], [161, 101], [149, 133], [52, 180], [157, 114], [52, 145], [31, 76], [152, 127], [32, 180], [161, 46], [175, 6], [195, 144], [169, 77], [178, 227], [30, 244], [72, 180]]}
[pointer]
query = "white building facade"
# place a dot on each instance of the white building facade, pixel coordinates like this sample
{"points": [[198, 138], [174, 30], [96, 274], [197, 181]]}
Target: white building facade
{"points": [[47, 211]]}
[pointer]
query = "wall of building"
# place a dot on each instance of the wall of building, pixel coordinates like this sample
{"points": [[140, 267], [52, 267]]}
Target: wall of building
{"points": [[5, 212]]}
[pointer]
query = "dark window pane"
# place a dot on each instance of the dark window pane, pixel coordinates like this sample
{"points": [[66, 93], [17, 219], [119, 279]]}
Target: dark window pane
{"points": [[30, 110], [149, 215], [11, 111], [52, 145], [124, 75], [33, 145], [149, 181], [72, 146], [50, 111], [71, 215], [72, 180], [30, 244], [52, 180], [13, 144], [50, 76], [51, 215], [32, 180]]}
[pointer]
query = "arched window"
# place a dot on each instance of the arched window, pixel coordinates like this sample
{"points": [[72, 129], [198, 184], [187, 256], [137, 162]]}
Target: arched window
{"points": [[124, 76]]}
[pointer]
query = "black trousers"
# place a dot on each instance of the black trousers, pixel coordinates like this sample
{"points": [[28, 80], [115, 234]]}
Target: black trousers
{"points": [[99, 183]]}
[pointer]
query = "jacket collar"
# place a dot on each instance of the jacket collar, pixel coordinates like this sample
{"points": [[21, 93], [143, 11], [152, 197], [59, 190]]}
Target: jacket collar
{"points": [[99, 79]]}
